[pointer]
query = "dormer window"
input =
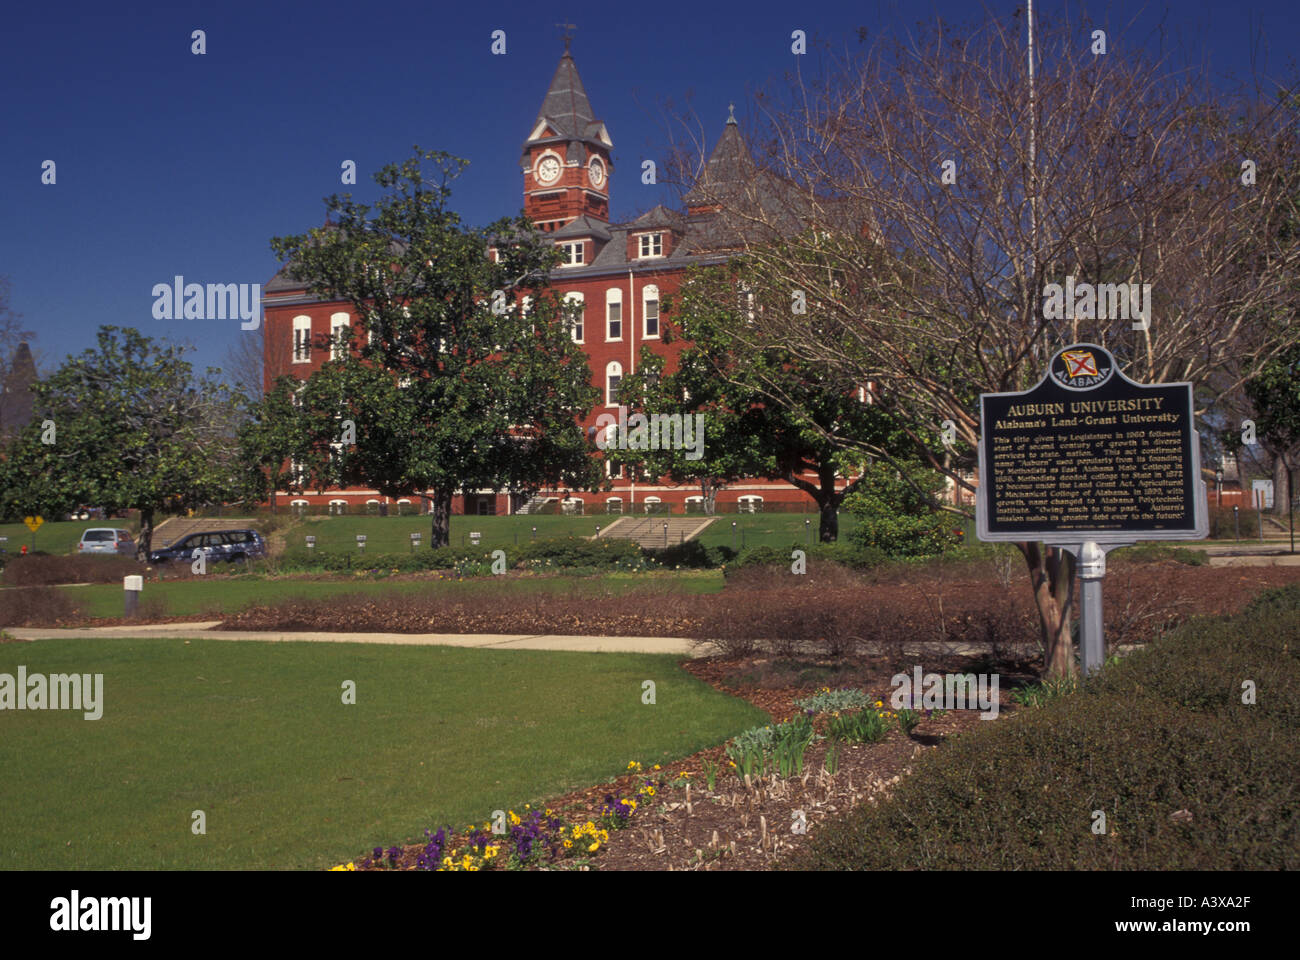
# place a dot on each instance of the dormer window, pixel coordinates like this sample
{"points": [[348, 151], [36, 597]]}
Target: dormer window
{"points": [[574, 254], [652, 245]]}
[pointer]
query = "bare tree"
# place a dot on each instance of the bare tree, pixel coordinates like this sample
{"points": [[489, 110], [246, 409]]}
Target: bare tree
{"points": [[250, 357], [925, 235], [17, 367]]}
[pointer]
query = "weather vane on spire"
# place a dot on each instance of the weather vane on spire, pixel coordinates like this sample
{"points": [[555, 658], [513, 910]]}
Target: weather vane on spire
{"points": [[568, 33]]}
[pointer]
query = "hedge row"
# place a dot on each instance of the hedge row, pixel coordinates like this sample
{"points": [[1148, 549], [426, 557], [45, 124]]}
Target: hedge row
{"points": [[1187, 775]]}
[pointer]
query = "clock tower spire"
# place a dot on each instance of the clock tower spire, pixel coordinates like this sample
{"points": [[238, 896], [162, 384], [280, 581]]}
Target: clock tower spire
{"points": [[565, 162]]}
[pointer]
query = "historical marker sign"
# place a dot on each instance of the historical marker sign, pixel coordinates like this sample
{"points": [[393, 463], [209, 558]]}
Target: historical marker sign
{"points": [[1090, 455]]}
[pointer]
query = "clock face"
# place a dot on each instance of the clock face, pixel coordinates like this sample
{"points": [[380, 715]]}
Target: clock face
{"points": [[548, 169], [596, 171]]}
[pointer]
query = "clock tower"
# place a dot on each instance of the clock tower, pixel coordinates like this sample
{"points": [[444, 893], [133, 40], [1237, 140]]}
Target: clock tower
{"points": [[565, 160]]}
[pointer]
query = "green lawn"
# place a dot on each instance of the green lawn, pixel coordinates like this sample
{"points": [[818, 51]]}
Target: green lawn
{"points": [[230, 594], [256, 736], [51, 536]]}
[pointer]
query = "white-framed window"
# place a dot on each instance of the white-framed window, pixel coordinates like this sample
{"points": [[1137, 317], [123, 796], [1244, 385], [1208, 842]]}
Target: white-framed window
{"points": [[297, 474], [526, 310], [652, 245], [571, 505], [613, 470], [747, 301], [751, 504], [338, 323], [613, 314], [574, 253], [299, 507], [302, 339], [650, 310], [613, 377], [338, 506], [651, 503], [614, 505], [695, 504], [579, 310], [372, 506]]}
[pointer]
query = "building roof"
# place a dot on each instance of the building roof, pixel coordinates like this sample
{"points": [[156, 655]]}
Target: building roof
{"points": [[583, 226], [729, 168], [659, 216], [568, 114]]}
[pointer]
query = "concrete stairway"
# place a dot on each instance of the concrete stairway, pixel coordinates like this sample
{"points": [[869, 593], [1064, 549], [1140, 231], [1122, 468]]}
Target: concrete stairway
{"points": [[169, 531], [648, 532], [533, 505]]}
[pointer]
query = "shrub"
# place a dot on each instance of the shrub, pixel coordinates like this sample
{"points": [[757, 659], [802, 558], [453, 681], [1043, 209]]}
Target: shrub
{"points": [[42, 569], [574, 552], [848, 554], [35, 606], [1162, 732], [896, 518], [692, 554], [762, 555]]}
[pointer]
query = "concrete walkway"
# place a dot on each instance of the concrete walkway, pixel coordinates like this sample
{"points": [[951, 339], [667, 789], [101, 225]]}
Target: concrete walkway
{"points": [[678, 646], [204, 630]]}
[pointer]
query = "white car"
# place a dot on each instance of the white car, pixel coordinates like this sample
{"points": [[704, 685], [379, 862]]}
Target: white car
{"points": [[106, 540]]}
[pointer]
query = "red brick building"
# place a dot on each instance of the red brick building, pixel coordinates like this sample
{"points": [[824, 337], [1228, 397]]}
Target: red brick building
{"points": [[620, 273]]}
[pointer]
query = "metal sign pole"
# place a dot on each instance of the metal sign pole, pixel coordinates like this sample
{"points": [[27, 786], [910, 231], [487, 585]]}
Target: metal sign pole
{"points": [[1091, 558]]}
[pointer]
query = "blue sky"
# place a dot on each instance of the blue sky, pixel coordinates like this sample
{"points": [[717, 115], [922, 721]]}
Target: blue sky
{"points": [[170, 163]]}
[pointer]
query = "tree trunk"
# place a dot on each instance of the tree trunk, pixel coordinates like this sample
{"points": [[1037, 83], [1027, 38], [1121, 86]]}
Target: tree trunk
{"points": [[1281, 493], [440, 514], [709, 490], [829, 525], [144, 543], [1051, 574]]}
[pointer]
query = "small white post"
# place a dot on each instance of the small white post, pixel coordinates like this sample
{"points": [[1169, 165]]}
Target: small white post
{"points": [[131, 587]]}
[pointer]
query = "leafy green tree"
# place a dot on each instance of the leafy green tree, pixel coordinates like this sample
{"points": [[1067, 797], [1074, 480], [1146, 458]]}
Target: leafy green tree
{"points": [[449, 384], [766, 413], [1275, 395], [895, 515], [125, 425], [269, 440]]}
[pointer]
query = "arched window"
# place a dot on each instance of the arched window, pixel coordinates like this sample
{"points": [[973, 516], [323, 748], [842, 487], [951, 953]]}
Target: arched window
{"points": [[338, 507], [650, 310], [614, 505], [301, 339], [613, 377], [751, 504], [613, 314], [338, 324], [575, 300]]}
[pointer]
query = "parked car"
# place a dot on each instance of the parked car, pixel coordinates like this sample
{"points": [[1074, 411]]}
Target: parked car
{"points": [[106, 540], [234, 546]]}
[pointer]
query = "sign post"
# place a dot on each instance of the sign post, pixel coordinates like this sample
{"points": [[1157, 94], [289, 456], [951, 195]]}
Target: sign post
{"points": [[1088, 461]]}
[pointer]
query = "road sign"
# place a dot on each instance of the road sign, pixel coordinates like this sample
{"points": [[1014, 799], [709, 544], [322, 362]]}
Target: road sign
{"points": [[33, 523]]}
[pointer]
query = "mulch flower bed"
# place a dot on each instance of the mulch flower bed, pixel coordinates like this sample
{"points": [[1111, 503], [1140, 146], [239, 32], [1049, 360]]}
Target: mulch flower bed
{"points": [[679, 824]]}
